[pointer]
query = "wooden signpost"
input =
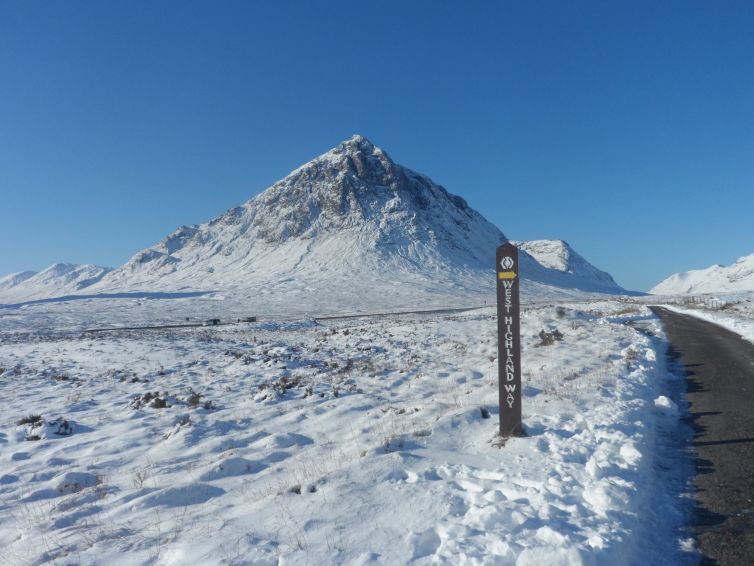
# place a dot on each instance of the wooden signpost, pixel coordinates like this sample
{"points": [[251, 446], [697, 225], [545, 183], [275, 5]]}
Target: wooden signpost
{"points": [[509, 340]]}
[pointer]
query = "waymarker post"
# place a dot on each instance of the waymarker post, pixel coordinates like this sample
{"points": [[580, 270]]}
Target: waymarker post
{"points": [[509, 339]]}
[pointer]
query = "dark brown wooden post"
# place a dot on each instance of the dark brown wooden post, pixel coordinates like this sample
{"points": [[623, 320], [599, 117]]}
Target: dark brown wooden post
{"points": [[509, 339]]}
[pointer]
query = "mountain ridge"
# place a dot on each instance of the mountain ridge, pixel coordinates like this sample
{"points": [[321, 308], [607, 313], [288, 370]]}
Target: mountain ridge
{"points": [[348, 224], [560, 256], [739, 276], [57, 279]]}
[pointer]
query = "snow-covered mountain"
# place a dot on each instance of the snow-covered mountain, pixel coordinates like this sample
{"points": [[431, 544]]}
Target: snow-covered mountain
{"points": [[58, 279], [15, 279], [350, 213], [349, 226], [715, 279], [559, 256]]}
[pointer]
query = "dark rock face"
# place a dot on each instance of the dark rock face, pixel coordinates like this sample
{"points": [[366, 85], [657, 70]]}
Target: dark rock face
{"points": [[358, 183]]}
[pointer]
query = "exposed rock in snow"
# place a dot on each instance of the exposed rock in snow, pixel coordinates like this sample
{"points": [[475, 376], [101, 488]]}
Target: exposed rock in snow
{"points": [[715, 279]]}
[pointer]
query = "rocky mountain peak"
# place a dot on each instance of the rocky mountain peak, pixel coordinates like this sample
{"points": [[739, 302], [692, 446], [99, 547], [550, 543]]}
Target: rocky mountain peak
{"points": [[356, 143], [357, 185], [353, 159]]}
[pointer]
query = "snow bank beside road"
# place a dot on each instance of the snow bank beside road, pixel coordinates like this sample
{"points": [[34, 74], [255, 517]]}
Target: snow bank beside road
{"points": [[738, 324]]}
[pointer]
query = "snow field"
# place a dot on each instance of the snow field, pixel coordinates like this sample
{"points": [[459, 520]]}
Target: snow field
{"points": [[356, 441]]}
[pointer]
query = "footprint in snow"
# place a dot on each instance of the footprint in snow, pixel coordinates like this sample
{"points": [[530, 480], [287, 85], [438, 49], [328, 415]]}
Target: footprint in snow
{"points": [[466, 485], [402, 475], [425, 544], [458, 506], [396, 475], [432, 475]]}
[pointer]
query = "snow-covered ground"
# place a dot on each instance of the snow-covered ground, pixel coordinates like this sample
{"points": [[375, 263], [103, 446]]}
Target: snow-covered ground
{"points": [[337, 442]]}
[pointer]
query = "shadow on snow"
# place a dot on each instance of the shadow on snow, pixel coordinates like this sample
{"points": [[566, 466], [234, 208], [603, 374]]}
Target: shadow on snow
{"points": [[134, 295]]}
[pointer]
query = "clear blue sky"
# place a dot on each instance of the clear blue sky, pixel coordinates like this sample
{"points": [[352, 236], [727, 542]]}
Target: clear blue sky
{"points": [[625, 128]]}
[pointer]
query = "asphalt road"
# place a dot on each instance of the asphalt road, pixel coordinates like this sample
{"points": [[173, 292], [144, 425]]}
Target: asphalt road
{"points": [[720, 391]]}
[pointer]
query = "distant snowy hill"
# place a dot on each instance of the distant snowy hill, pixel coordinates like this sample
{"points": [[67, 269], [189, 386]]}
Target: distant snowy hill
{"points": [[557, 255], [715, 279], [15, 279], [58, 279], [349, 227]]}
